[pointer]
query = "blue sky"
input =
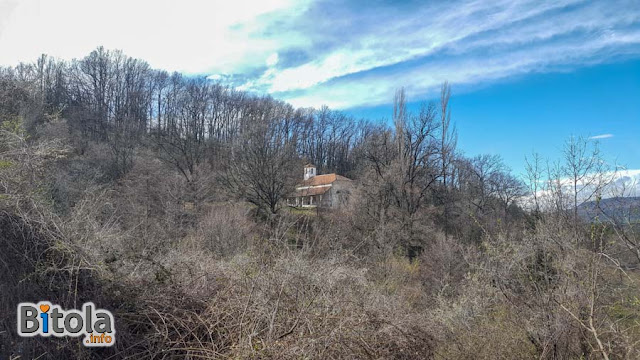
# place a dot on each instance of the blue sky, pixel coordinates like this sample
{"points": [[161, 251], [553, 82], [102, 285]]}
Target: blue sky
{"points": [[526, 74], [540, 111]]}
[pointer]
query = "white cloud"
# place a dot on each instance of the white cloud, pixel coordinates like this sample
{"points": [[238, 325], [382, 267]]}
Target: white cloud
{"points": [[602, 136], [191, 36], [348, 55], [425, 78], [272, 59], [401, 39], [626, 183], [519, 39]]}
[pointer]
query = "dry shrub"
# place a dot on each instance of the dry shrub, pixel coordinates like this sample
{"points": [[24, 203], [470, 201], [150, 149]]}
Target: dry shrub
{"points": [[224, 230], [150, 204], [321, 308], [152, 318], [443, 265], [207, 295], [476, 325], [38, 264], [258, 307]]}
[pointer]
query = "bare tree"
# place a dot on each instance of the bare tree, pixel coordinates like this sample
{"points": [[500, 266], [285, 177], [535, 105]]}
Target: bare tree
{"points": [[262, 167], [533, 168], [508, 189], [586, 171], [448, 141], [405, 164], [449, 137]]}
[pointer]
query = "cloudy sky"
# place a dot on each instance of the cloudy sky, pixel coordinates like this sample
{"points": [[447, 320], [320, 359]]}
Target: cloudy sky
{"points": [[519, 68]]}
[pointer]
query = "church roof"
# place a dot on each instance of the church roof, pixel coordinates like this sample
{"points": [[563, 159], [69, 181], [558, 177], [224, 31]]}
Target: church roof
{"points": [[325, 179]]}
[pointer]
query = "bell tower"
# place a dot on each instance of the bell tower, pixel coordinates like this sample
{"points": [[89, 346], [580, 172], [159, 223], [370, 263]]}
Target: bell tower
{"points": [[309, 171]]}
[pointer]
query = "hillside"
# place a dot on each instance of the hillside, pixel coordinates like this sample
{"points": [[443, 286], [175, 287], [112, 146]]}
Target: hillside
{"points": [[161, 198], [619, 209]]}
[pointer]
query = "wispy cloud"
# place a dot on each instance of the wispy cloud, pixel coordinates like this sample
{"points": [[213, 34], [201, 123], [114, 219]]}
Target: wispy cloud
{"points": [[601, 136], [489, 42], [334, 52]]}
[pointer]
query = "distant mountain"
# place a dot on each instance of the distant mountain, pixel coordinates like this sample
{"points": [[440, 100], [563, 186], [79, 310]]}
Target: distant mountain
{"points": [[618, 208], [628, 180]]}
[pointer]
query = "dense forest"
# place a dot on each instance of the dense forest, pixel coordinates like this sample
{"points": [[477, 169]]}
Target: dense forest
{"points": [[160, 197]]}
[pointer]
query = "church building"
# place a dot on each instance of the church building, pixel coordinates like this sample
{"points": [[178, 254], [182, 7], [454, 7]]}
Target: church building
{"points": [[325, 191]]}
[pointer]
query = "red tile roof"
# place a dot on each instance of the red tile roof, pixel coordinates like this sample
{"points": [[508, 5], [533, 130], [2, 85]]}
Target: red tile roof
{"points": [[322, 180]]}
